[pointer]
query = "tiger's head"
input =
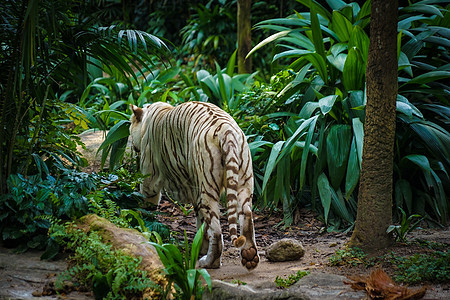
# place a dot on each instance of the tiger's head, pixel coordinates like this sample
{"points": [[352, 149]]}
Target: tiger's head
{"points": [[142, 117], [136, 126]]}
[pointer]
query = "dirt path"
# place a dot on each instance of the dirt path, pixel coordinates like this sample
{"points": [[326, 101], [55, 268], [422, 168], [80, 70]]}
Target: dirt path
{"points": [[319, 247]]}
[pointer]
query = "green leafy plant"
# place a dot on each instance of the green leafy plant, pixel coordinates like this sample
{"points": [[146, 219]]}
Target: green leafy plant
{"points": [[406, 226], [429, 267], [293, 278], [43, 61], [210, 32], [238, 282], [110, 274], [350, 256], [318, 151], [180, 267]]}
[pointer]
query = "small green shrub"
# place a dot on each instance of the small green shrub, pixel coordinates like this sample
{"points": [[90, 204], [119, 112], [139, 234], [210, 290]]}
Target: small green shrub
{"points": [[180, 266], [417, 268], [350, 256], [405, 227], [293, 278]]}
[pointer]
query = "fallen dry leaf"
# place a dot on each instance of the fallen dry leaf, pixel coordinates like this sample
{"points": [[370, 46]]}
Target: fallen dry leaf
{"points": [[379, 285]]}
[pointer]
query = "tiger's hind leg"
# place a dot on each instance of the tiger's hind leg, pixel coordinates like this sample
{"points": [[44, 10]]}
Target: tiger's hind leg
{"points": [[200, 221], [212, 236], [249, 251]]}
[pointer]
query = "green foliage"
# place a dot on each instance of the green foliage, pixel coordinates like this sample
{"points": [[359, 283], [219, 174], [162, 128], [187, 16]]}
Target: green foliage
{"points": [[417, 268], [352, 256], [111, 274], [406, 226], [180, 267], [317, 152], [293, 278], [33, 202], [238, 282], [31, 199], [210, 32], [47, 55]]}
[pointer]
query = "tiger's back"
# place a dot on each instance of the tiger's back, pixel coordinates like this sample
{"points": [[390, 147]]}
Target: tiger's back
{"points": [[196, 151]]}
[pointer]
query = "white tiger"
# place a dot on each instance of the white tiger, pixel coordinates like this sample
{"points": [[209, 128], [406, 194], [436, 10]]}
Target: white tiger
{"points": [[195, 151]]}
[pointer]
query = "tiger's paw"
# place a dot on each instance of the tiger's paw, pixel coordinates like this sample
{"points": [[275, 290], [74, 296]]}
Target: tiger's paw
{"points": [[250, 258], [207, 263]]}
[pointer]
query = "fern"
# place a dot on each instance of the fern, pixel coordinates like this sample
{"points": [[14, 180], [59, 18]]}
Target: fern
{"points": [[111, 273]]}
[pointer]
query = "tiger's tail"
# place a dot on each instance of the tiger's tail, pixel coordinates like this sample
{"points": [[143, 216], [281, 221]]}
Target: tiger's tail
{"points": [[232, 165]]}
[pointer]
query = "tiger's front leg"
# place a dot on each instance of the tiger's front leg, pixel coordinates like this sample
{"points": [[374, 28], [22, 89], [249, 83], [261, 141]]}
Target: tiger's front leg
{"points": [[213, 236]]}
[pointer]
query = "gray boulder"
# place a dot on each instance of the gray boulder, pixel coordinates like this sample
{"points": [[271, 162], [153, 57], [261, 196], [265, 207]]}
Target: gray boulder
{"points": [[285, 250]]}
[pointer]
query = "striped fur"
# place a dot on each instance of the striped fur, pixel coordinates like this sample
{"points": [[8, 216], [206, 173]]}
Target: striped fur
{"points": [[195, 151]]}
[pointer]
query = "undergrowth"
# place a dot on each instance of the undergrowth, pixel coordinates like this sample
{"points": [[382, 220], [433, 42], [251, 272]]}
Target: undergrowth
{"points": [[293, 278], [350, 256], [433, 265], [420, 267], [111, 274]]}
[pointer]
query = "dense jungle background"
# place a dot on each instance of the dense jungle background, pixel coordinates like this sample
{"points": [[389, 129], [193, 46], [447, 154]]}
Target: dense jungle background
{"points": [[70, 67]]}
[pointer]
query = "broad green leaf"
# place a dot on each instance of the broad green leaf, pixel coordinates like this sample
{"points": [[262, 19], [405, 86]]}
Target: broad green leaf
{"points": [[317, 36], [327, 103], [354, 72], [341, 26], [353, 171], [423, 8], [320, 64], [308, 109], [338, 146], [338, 61], [422, 162], [435, 138], [196, 246], [299, 132], [191, 274], [360, 40], [206, 276], [231, 64], [305, 153], [271, 162], [403, 193], [358, 131], [325, 194], [291, 53], [404, 64], [429, 77], [117, 132], [267, 41]]}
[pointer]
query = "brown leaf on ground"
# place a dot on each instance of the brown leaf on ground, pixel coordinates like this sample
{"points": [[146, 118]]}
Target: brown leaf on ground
{"points": [[379, 285]]}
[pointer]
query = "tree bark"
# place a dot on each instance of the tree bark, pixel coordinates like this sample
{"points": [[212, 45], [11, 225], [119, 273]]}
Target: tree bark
{"points": [[244, 36], [374, 213]]}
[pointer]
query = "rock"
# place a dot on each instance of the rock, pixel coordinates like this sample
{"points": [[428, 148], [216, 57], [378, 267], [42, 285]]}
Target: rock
{"points": [[131, 242], [285, 250], [315, 286]]}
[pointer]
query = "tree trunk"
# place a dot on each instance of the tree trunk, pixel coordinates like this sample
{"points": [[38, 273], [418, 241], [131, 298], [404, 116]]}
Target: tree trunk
{"points": [[244, 36], [374, 213]]}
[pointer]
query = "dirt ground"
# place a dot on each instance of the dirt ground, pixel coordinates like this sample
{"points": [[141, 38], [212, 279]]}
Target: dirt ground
{"points": [[24, 275], [319, 247]]}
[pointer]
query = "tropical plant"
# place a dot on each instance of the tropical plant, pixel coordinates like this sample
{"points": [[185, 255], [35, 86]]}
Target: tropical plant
{"points": [[328, 54], [224, 88], [210, 32], [180, 267], [46, 53], [406, 226]]}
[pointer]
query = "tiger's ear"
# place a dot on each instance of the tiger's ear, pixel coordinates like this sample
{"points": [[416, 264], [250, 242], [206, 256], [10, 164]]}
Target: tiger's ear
{"points": [[137, 111]]}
